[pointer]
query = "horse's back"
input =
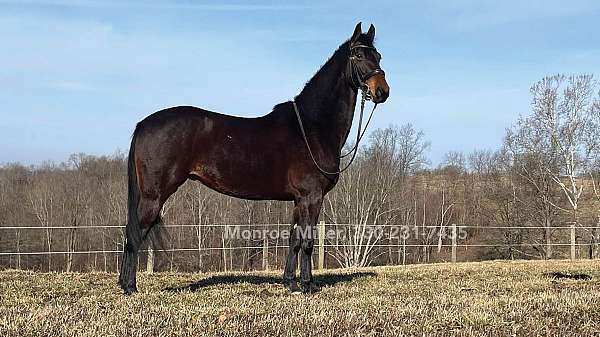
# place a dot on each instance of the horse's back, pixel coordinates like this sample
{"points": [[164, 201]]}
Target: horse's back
{"points": [[178, 115], [243, 157]]}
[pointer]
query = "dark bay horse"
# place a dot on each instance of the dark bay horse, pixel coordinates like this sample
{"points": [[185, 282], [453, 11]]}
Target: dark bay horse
{"points": [[263, 158]]}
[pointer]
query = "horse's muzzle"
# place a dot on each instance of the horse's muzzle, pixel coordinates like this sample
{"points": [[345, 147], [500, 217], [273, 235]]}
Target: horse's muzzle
{"points": [[378, 88], [381, 95]]}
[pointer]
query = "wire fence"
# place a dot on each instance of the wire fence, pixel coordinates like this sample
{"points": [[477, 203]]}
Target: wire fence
{"points": [[324, 244]]}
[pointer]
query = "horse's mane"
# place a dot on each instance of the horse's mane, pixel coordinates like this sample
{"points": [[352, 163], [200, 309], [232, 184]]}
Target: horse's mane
{"points": [[313, 87], [339, 56]]}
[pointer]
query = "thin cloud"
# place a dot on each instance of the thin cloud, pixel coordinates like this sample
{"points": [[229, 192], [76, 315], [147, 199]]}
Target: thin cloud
{"points": [[70, 85]]}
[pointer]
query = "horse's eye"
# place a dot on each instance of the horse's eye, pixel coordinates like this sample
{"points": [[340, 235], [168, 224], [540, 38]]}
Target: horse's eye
{"points": [[358, 55]]}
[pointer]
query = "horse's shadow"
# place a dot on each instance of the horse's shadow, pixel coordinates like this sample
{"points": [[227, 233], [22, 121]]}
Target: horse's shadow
{"points": [[321, 280]]}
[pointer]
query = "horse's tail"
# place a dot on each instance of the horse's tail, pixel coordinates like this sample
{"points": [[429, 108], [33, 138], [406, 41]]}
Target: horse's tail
{"points": [[133, 232], [133, 229]]}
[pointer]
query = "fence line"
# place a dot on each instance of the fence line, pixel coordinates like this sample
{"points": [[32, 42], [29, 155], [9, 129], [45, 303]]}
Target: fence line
{"points": [[271, 247], [321, 227]]}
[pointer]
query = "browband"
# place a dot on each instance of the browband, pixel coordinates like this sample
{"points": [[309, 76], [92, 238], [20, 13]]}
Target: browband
{"points": [[362, 46]]}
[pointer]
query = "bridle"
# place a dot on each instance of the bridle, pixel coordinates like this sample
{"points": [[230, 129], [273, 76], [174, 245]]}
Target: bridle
{"points": [[365, 95], [359, 82]]}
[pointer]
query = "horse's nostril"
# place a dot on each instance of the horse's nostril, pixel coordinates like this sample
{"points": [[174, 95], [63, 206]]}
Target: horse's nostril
{"points": [[379, 92], [381, 95]]}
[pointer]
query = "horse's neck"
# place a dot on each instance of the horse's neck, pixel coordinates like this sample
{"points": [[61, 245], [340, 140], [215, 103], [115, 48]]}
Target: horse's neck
{"points": [[340, 115], [329, 107]]}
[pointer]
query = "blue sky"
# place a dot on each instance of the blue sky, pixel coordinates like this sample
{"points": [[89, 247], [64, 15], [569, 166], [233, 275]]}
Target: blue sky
{"points": [[75, 76]]}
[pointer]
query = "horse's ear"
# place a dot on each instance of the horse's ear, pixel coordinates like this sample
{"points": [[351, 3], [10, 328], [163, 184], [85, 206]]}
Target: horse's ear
{"points": [[357, 32], [371, 33]]}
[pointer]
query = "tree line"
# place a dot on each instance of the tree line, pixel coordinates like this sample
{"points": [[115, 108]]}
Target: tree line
{"points": [[390, 207]]}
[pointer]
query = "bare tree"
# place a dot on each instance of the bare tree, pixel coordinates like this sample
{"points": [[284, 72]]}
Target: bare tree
{"points": [[567, 120], [484, 163], [595, 233], [368, 194], [41, 199], [559, 136], [455, 161]]}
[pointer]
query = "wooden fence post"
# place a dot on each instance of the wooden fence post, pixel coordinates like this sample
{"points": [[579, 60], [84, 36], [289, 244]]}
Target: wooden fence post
{"points": [[150, 261], [573, 252], [454, 238], [403, 249], [321, 233], [265, 254]]}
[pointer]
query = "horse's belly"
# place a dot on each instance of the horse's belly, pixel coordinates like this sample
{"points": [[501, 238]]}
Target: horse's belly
{"points": [[242, 181]]}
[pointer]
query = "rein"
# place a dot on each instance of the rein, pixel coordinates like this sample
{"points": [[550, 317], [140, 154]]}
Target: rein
{"points": [[360, 134], [354, 149]]}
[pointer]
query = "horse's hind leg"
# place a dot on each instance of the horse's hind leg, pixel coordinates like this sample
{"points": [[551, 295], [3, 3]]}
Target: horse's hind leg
{"points": [[129, 264], [148, 212]]}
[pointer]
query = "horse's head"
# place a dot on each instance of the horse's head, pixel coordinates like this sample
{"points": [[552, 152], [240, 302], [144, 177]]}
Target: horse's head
{"points": [[365, 72]]}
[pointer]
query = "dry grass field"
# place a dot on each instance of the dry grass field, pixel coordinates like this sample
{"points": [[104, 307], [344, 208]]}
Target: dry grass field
{"points": [[534, 298]]}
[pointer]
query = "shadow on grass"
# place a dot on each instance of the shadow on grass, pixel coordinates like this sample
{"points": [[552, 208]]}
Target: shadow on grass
{"points": [[570, 276], [321, 280]]}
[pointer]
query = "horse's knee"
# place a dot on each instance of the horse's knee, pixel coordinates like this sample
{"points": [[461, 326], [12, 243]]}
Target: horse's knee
{"points": [[295, 240], [308, 245]]}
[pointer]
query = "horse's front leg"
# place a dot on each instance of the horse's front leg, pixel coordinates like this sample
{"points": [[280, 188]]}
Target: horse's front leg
{"points": [[289, 276], [308, 220]]}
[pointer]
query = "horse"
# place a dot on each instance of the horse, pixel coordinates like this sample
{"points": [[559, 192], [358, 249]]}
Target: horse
{"points": [[289, 154]]}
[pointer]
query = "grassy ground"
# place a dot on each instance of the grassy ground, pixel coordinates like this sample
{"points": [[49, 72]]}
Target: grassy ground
{"points": [[470, 299]]}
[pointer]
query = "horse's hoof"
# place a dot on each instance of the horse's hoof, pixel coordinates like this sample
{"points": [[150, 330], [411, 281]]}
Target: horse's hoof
{"points": [[309, 288], [293, 287], [129, 290]]}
